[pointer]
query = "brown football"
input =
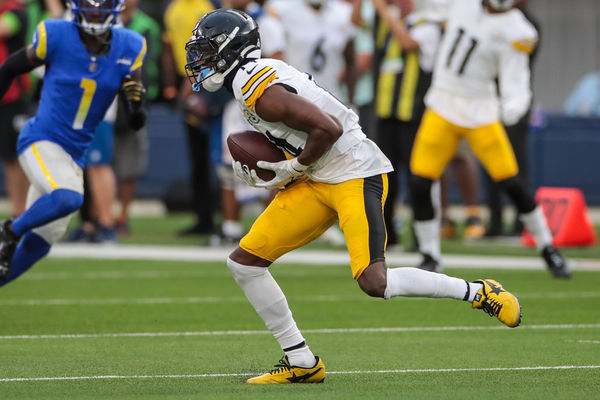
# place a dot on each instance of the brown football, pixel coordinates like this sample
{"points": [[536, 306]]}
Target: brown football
{"points": [[248, 147]]}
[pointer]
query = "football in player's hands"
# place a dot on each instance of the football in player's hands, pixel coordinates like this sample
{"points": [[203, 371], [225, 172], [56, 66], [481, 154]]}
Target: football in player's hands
{"points": [[248, 147]]}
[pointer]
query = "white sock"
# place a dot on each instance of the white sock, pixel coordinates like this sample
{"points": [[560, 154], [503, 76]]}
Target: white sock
{"points": [[474, 287], [414, 282], [535, 221], [268, 300], [301, 357], [428, 234]]}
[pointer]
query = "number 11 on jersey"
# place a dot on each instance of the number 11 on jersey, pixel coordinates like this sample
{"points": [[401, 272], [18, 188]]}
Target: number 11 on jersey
{"points": [[89, 88]]}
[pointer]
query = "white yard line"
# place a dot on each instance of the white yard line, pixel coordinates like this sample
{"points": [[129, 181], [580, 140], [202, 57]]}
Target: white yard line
{"points": [[585, 341], [314, 331], [390, 371], [128, 252]]}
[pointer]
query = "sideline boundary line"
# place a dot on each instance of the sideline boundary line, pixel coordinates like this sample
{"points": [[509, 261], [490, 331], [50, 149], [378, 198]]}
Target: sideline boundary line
{"points": [[320, 257]]}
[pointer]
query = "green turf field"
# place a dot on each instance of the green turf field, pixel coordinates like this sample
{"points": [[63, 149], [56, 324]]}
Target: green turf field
{"points": [[98, 329]]}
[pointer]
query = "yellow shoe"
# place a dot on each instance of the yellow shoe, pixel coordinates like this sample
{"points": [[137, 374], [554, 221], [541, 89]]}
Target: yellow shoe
{"points": [[497, 302], [286, 373], [448, 228], [474, 228]]}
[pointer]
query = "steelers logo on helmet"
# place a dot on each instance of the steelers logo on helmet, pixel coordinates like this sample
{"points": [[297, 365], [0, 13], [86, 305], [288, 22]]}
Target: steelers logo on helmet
{"points": [[221, 40], [96, 17]]}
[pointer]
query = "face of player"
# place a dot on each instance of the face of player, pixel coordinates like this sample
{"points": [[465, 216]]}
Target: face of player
{"points": [[96, 17], [202, 59]]}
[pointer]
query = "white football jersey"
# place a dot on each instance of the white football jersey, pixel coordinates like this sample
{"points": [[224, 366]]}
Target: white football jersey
{"points": [[316, 39], [478, 48], [351, 156]]}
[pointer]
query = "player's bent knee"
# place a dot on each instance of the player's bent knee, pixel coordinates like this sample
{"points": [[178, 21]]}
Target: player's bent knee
{"points": [[243, 257], [67, 201], [522, 199], [373, 280], [421, 198], [243, 273], [55, 230]]}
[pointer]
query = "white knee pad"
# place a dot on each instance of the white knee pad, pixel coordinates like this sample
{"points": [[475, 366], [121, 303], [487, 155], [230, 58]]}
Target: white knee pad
{"points": [[244, 273]]}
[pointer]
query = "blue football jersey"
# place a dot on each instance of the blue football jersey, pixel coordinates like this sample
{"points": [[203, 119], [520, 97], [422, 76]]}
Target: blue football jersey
{"points": [[78, 87]]}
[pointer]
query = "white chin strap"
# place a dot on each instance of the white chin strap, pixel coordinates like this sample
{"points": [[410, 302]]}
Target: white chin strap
{"points": [[214, 83]]}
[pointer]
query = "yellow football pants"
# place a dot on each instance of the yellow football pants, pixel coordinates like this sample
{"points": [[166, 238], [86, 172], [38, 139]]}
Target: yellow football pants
{"points": [[437, 141], [303, 211]]}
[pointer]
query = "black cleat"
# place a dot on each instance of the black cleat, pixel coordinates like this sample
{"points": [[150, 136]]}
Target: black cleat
{"points": [[556, 262], [429, 264], [8, 244]]}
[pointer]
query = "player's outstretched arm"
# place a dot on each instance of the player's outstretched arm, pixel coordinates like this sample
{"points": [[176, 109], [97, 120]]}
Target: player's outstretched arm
{"points": [[133, 92], [279, 105], [18, 63]]}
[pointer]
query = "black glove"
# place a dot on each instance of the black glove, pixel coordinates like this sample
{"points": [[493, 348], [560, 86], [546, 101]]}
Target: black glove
{"points": [[137, 119]]}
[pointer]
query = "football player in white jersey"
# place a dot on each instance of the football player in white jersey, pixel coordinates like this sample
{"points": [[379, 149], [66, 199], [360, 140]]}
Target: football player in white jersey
{"points": [[334, 172], [320, 41], [483, 41]]}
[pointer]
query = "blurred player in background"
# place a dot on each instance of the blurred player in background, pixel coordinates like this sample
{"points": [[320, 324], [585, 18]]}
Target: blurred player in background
{"points": [[335, 173], [403, 63], [320, 41], [518, 135], [131, 146], [198, 109], [363, 17], [88, 61], [482, 42]]}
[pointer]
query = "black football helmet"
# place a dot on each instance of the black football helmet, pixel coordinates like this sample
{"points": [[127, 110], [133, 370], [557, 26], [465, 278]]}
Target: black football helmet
{"points": [[221, 40]]}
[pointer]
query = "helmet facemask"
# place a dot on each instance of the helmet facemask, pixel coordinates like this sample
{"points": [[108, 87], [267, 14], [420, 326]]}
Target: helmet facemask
{"points": [[204, 57], [214, 52], [96, 17]]}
